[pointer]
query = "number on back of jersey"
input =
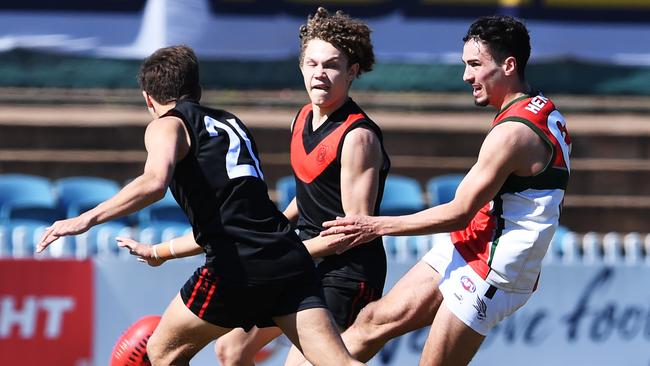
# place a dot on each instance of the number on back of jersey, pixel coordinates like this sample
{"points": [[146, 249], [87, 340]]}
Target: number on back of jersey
{"points": [[238, 138]]}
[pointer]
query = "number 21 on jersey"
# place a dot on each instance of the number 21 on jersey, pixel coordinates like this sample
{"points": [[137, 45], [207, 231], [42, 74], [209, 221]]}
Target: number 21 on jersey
{"points": [[234, 169]]}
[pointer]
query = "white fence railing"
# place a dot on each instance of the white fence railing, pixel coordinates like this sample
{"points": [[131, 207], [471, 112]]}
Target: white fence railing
{"points": [[567, 247]]}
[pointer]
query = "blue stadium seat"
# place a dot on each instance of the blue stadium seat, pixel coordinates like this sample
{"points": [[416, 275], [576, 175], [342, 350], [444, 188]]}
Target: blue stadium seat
{"points": [[164, 211], [19, 238], [442, 189], [555, 252], [64, 247], [613, 252], [407, 248], [633, 247], [27, 197], [402, 195], [5, 249], [76, 195], [160, 232], [592, 248], [556, 242], [285, 189], [100, 240]]}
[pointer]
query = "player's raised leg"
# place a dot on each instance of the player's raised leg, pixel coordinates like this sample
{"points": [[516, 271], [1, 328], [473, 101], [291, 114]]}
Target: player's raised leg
{"points": [[411, 304], [238, 347], [180, 335], [313, 331], [450, 341]]}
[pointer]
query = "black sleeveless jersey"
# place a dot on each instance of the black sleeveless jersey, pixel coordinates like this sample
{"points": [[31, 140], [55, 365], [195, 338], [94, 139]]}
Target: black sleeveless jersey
{"points": [[220, 186], [316, 163]]}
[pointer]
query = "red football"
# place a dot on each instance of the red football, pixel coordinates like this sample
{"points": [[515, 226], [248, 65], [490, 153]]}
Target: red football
{"points": [[131, 347]]}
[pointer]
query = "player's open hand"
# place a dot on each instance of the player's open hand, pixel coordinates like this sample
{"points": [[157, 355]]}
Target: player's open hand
{"points": [[73, 226], [352, 230], [144, 252]]}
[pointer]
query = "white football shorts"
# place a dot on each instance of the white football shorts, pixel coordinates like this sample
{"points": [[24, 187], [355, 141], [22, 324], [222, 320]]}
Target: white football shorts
{"points": [[475, 302]]}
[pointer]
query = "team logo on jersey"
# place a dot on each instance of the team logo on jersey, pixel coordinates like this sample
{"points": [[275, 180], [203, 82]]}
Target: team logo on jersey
{"points": [[481, 308], [322, 154], [467, 284]]}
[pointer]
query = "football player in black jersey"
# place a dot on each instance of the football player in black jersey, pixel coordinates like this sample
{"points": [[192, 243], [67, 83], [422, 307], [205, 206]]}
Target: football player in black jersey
{"points": [[257, 271], [339, 165]]}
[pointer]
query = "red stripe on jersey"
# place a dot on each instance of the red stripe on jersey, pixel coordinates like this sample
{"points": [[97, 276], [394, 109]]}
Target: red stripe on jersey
{"points": [[308, 167], [196, 287], [473, 243], [355, 302], [207, 299]]}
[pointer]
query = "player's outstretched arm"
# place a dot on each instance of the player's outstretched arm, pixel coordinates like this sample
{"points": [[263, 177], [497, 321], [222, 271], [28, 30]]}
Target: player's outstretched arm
{"points": [[503, 152], [157, 254], [166, 142]]}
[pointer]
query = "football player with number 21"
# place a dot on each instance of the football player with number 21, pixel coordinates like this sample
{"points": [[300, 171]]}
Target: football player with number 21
{"points": [[257, 271]]}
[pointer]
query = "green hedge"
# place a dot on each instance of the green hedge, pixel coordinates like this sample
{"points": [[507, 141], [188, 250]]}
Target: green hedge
{"points": [[20, 68]]}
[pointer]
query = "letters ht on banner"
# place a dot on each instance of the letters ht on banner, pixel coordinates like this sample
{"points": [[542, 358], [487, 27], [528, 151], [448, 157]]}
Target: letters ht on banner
{"points": [[26, 317], [46, 312]]}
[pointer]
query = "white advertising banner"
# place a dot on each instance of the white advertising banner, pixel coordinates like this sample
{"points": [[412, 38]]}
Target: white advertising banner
{"points": [[581, 314]]}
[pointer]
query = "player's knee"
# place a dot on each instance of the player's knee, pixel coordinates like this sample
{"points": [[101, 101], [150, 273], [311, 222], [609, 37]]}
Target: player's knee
{"points": [[230, 354], [221, 351], [155, 352], [369, 322], [376, 314], [159, 353], [378, 322]]}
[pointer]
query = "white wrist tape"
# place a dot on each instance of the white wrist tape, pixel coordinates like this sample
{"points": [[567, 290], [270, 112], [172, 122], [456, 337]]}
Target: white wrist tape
{"points": [[155, 252], [171, 248]]}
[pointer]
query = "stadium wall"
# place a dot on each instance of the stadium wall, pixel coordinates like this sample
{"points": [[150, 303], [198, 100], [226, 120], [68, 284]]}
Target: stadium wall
{"points": [[581, 314]]}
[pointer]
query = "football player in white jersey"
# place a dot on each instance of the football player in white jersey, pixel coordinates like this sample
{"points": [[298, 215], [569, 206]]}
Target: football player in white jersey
{"points": [[501, 221]]}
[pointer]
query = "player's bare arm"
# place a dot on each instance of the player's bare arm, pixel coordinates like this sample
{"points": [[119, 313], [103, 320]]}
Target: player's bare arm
{"points": [[157, 254], [291, 212], [361, 161], [506, 150], [166, 141]]}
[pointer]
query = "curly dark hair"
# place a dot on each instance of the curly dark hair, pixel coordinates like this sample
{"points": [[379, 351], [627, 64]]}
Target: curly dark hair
{"points": [[505, 36], [171, 74], [350, 36]]}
